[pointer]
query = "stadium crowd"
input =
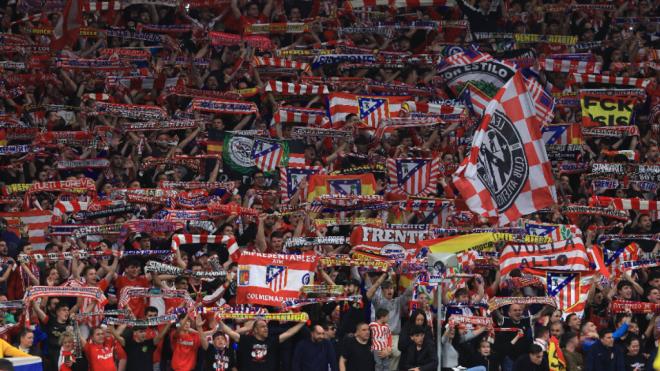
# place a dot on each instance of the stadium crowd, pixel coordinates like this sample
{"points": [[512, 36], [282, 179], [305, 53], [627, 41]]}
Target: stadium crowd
{"points": [[168, 203]]}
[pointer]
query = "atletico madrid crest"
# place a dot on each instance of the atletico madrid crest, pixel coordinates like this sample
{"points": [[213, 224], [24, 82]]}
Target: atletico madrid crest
{"points": [[345, 187], [413, 176], [372, 110], [266, 154], [276, 277]]}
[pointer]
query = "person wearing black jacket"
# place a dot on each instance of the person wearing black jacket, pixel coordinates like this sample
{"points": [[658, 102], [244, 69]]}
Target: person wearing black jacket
{"points": [[532, 361], [417, 318], [483, 357], [419, 353], [604, 355]]}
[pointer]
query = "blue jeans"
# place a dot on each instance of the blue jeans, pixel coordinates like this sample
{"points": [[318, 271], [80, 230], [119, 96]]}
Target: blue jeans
{"points": [[477, 368], [507, 364], [382, 364]]}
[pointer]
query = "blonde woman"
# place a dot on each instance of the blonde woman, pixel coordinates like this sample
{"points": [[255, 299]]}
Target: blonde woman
{"points": [[66, 361]]}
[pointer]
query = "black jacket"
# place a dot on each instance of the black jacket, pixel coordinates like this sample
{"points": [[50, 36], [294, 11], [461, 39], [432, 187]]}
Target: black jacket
{"points": [[489, 362], [601, 358], [523, 363], [426, 358]]}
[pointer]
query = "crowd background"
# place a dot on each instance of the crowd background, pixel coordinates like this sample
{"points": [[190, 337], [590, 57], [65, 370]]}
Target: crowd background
{"points": [[102, 103]]}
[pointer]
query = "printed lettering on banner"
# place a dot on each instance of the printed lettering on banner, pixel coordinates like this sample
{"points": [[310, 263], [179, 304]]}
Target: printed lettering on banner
{"points": [[393, 242], [606, 110]]}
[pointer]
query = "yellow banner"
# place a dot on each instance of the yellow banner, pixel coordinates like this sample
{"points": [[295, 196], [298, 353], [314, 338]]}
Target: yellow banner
{"points": [[291, 52], [17, 187], [606, 110], [477, 241]]}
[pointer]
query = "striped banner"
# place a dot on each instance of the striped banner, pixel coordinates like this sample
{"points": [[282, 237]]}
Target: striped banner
{"points": [[37, 222], [300, 115], [582, 78], [567, 255], [290, 88], [280, 62], [567, 65]]}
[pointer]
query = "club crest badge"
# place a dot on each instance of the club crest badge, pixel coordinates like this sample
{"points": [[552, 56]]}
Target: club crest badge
{"points": [[345, 187], [502, 166], [369, 105]]}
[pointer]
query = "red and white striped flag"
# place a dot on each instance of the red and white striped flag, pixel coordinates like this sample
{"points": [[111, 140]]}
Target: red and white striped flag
{"points": [[290, 88], [567, 255], [267, 154], [507, 173], [370, 109], [269, 279], [570, 65], [37, 222]]}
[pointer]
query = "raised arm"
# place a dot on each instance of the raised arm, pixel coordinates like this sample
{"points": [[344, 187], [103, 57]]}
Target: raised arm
{"points": [[162, 333], [117, 331], [40, 313], [199, 323], [260, 240], [235, 336], [372, 290], [111, 270], [290, 332], [234, 9]]}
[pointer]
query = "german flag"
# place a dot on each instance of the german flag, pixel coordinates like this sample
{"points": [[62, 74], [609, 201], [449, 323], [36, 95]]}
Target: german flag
{"points": [[215, 141]]}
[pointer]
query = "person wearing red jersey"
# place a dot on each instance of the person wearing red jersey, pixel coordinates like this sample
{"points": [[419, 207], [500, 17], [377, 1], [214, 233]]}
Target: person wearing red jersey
{"points": [[252, 14], [132, 277], [100, 353], [185, 343]]}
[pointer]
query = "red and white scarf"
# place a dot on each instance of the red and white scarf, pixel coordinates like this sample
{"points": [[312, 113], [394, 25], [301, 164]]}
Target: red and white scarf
{"points": [[568, 65], [635, 203], [185, 239], [300, 115], [583, 78], [290, 88], [281, 62]]}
